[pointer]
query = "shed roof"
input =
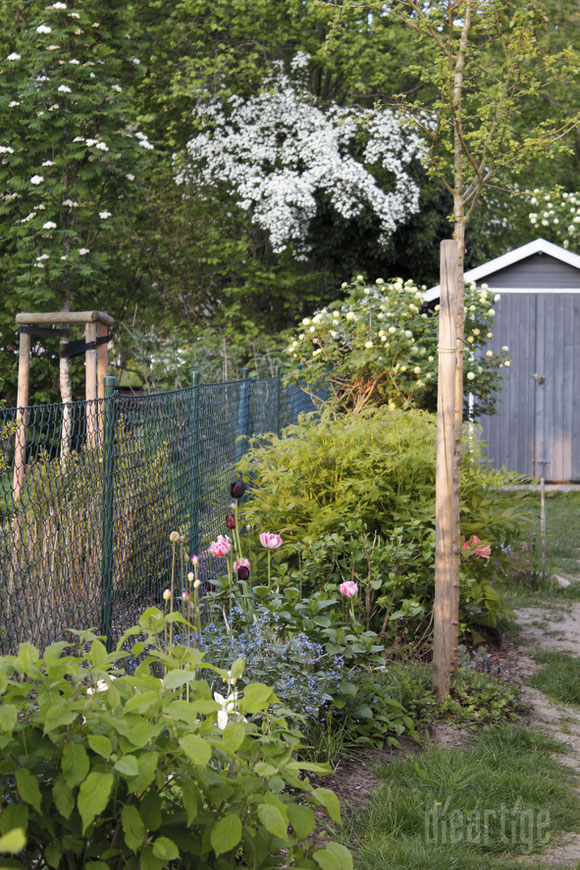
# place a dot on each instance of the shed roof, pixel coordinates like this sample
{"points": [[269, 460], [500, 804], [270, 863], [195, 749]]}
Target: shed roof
{"points": [[566, 259]]}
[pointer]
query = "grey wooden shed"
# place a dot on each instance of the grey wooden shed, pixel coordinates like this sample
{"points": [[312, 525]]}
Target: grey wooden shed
{"points": [[537, 425]]}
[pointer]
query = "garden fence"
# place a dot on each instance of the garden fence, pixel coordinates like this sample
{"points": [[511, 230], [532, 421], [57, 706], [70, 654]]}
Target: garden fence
{"points": [[85, 522]]}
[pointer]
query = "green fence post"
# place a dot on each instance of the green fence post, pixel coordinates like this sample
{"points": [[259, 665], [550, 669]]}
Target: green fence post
{"points": [[243, 414], [108, 508], [278, 397], [195, 493]]}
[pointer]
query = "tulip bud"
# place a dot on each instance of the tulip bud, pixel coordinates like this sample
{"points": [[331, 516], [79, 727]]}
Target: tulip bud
{"points": [[237, 489], [167, 594], [197, 584], [194, 560], [230, 521], [191, 577], [185, 595], [243, 572], [174, 537]]}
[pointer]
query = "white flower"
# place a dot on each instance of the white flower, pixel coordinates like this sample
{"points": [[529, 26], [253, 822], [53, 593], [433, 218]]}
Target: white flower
{"points": [[392, 329], [90, 142], [306, 321], [507, 363], [497, 297], [49, 225], [360, 279], [69, 203], [491, 312], [368, 344], [48, 163], [470, 376], [58, 6], [228, 707], [64, 89], [42, 28], [74, 15], [333, 333], [78, 139], [42, 257], [135, 60], [350, 315], [13, 103], [37, 179], [505, 348], [417, 370], [117, 88], [130, 177], [312, 329], [13, 56], [6, 149], [74, 61], [101, 146], [489, 353], [83, 251], [53, 48], [104, 215]]}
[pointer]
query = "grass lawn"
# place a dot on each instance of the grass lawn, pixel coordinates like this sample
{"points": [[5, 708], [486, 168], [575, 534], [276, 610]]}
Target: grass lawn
{"points": [[562, 551], [474, 807], [559, 679]]}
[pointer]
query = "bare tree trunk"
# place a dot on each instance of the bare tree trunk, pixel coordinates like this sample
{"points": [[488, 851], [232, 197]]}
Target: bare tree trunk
{"points": [[65, 390]]}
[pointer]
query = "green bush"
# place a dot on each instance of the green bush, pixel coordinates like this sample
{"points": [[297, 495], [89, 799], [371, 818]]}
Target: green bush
{"points": [[141, 767], [357, 492]]}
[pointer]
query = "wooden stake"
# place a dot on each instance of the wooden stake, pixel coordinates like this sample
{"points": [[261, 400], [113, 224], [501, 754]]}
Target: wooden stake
{"points": [[444, 630], [102, 373], [91, 384], [21, 402]]}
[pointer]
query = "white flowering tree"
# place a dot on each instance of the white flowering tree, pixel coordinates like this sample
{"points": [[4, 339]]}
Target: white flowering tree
{"points": [[557, 216], [69, 161], [279, 153], [379, 344]]}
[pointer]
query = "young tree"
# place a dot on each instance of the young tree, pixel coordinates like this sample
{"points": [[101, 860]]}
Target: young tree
{"points": [[70, 160], [488, 63]]}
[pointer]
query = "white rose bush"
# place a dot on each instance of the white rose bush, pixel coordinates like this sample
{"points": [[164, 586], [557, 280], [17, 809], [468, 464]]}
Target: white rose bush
{"points": [[557, 214], [379, 345]]}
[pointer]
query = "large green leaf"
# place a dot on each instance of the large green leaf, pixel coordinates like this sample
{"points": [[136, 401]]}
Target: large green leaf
{"points": [[101, 744], [63, 797], [256, 697], [75, 763], [134, 829], [165, 849], [196, 749], [329, 801], [28, 788], [128, 765], [94, 796], [273, 821], [13, 842], [8, 717], [226, 834], [333, 857], [302, 820]]}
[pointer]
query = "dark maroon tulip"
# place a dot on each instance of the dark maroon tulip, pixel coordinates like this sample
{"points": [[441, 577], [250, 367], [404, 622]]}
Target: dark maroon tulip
{"points": [[230, 521], [237, 489], [243, 572]]}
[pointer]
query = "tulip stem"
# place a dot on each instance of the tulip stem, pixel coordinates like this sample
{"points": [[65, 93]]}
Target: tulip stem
{"points": [[269, 569], [172, 590]]}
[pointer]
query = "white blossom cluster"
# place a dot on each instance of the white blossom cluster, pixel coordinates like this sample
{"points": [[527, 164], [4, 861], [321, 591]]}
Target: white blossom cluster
{"points": [[277, 150], [559, 212]]}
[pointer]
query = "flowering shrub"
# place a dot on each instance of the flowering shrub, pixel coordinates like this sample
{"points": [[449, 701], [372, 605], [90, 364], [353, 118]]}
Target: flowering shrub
{"points": [[280, 153], [557, 216], [379, 344], [133, 774]]}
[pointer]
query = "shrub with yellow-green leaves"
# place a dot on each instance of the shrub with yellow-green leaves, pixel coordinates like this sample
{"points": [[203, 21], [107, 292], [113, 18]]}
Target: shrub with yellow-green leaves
{"points": [[378, 345]]}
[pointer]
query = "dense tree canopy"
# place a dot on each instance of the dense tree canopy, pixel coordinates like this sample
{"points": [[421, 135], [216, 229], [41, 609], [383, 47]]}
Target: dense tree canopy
{"points": [[98, 102]]}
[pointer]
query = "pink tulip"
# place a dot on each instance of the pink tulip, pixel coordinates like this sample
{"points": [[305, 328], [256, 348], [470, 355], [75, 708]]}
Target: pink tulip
{"points": [[221, 547], [270, 541], [241, 563], [348, 589]]}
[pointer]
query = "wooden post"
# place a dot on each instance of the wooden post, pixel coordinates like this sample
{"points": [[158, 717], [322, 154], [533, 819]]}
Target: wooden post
{"points": [[445, 633], [543, 521], [22, 402], [91, 384]]}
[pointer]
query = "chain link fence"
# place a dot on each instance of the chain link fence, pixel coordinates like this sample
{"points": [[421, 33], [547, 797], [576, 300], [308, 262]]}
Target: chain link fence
{"points": [[90, 491]]}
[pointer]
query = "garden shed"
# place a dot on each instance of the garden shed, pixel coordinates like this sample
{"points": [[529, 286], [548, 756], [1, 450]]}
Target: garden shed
{"points": [[536, 428]]}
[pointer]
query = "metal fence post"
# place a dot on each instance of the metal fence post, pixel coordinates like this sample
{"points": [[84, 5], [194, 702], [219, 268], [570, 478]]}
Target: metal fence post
{"points": [[243, 414], [278, 397], [108, 508], [195, 494]]}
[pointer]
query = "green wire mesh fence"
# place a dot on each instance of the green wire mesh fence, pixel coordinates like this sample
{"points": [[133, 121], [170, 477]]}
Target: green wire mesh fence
{"points": [[85, 519]]}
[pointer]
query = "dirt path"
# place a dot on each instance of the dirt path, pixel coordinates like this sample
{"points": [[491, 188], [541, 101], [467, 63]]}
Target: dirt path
{"points": [[552, 628]]}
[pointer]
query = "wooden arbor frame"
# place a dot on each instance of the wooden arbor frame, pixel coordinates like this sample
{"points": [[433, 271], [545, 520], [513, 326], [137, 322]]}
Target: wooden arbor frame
{"points": [[95, 348]]}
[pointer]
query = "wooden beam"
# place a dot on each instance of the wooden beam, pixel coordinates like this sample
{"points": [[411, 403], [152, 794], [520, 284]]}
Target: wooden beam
{"points": [[22, 403], [91, 384], [443, 629], [55, 317], [102, 360]]}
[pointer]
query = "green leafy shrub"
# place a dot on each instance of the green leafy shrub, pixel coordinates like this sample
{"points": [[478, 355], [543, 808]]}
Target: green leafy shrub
{"points": [[109, 767], [357, 492]]}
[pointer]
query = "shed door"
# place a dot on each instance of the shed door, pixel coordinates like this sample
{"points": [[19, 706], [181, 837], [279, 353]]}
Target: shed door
{"points": [[537, 424]]}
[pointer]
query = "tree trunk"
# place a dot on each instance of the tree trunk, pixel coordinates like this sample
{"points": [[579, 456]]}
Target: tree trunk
{"points": [[65, 390]]}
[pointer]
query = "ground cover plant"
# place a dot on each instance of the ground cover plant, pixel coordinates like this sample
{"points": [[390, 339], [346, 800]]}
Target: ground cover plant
{"points": [[106, 767], [477, 806]]}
